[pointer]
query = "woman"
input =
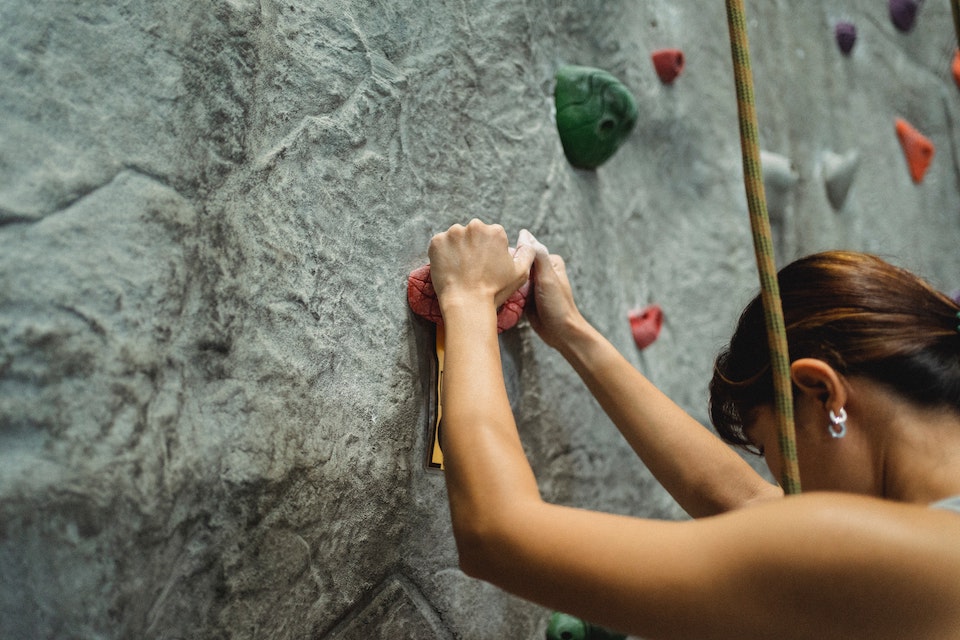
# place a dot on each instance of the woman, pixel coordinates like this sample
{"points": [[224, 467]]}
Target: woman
{"points": [[862, 555]]}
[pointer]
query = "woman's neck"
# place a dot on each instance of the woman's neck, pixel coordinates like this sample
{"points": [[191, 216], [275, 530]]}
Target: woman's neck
{"points": [[921, 459]]}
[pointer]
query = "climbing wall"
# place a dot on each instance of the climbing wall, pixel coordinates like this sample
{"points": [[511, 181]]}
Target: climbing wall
{"points": [[214, 398]]}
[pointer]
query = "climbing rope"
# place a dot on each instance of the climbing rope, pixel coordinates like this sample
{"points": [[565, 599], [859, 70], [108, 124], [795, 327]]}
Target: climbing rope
{"points": [[763, 247]]}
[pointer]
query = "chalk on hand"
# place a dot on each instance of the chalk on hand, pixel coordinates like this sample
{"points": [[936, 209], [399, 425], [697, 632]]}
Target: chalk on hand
{"points": [[527, 238]]}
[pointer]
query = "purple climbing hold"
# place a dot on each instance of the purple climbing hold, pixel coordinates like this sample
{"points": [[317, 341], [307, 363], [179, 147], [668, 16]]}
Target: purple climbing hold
{"points": [[903, 13], [846, 33]]}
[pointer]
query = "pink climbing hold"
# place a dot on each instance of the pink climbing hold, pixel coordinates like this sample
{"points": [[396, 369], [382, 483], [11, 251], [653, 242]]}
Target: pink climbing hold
{"points": [[422, 298], [509, 313], [646, 324], [668, 63]]}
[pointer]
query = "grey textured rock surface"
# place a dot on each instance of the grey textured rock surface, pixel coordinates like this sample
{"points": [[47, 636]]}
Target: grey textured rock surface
{"points": [[212, 393]]}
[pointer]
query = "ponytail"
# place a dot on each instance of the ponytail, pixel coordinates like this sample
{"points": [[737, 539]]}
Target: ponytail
{"points": [[859, 314]]}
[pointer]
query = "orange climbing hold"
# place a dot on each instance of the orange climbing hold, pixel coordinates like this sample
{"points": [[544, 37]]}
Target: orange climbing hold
{"points": [[668, 63], [645, 324], [917, 148], [956, 67]]}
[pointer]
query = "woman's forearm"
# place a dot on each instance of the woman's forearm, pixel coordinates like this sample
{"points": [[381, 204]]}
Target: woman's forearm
{"points": [[702, 473], [487, 472]]}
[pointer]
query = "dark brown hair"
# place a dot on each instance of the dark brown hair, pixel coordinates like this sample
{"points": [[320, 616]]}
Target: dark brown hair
{"points": [[856, 312]]}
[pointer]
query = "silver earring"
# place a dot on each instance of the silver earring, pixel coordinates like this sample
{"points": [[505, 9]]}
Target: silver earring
{"points": [[838, 423]]}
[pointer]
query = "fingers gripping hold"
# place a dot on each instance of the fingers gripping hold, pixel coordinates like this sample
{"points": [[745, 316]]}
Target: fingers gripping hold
{"points": [[466, 257]]}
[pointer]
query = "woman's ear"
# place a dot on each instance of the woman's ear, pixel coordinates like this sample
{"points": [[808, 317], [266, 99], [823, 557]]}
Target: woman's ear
{"points": [[819, 382]]}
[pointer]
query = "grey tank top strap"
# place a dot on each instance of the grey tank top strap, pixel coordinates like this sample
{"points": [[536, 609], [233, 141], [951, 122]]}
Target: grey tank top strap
{"points": [[951, 504]]}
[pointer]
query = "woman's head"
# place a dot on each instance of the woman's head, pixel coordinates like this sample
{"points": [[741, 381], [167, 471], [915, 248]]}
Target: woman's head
{"points": [[859, 314]]}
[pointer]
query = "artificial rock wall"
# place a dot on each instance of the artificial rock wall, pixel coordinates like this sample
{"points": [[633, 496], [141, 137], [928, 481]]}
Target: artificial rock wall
{"points": [[212, 392]]}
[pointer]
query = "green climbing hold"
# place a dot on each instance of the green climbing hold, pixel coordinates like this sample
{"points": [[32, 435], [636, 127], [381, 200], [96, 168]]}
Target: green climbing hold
{"points": [[566, 627], [595, 114]]}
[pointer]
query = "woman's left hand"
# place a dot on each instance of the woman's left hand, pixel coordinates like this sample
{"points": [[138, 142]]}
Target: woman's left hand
{"points": [[475, 262]]}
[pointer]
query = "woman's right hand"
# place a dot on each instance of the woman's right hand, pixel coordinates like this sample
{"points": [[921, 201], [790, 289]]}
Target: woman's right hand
{"points": [[554, 313]]}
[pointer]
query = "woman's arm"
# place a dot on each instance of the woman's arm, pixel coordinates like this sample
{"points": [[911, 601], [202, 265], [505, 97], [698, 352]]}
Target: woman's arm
{"points": [[813, 566], [817, 565], [703, 474], [486, 469]]}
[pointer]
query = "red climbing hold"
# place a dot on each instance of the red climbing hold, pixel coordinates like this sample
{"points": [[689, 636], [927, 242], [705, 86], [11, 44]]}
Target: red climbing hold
{"points": [[956, 67], [917, 148], [421, 297], [510, 311], [668, 63], [423, 300], [646, 324]]}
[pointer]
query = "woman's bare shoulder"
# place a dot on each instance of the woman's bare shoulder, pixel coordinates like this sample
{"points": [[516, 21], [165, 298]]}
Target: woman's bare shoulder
{"points": [[852, 520], [862, 563]]}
